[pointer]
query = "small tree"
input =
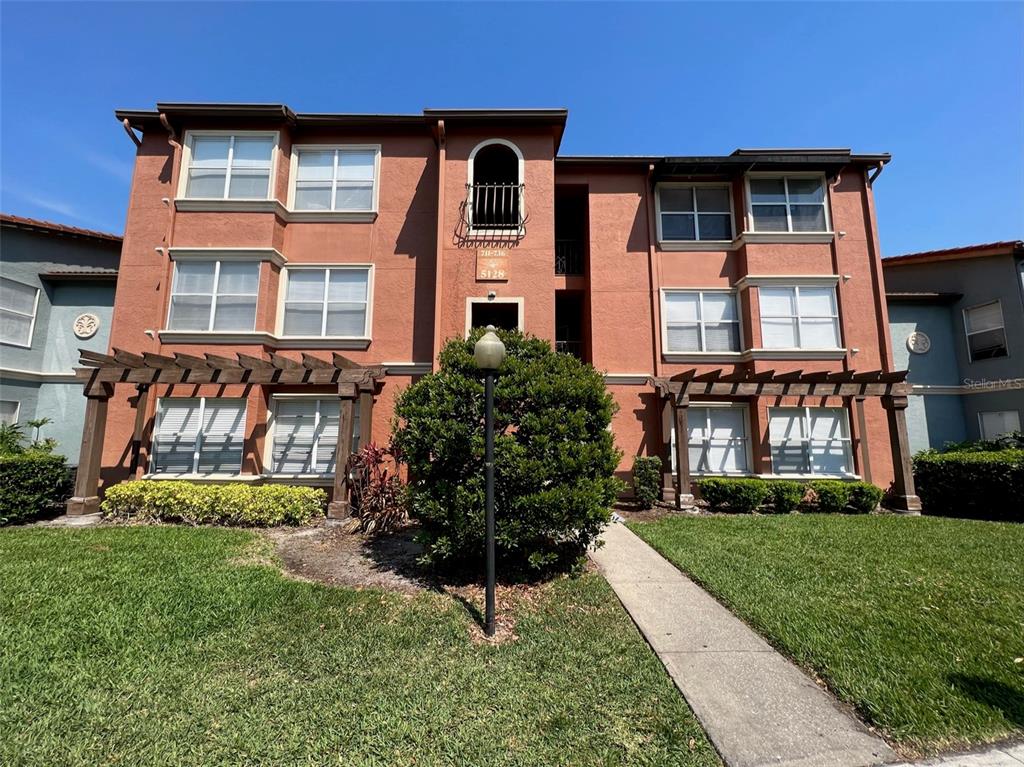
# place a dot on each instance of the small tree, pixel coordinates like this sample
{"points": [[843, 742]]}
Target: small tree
{"points": [[554, 456]]}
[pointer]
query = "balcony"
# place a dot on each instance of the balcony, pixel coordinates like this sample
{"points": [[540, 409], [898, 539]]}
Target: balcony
{"points": [[575, 348], [568, 257], [493, 212]]}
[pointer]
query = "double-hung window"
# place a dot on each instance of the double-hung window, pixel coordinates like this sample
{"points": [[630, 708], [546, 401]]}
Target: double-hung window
{"points": [[986, 336], [810, 440], [214, 295], [799, 317], [788, 204], [328, 302], [335, 178], [18, 303], [230, 166], [305, 435], [701, 321], [199, 436], [694, 212], [718, 440]]}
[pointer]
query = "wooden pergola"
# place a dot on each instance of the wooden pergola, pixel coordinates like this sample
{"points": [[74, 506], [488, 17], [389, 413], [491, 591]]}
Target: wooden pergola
{"points": [[853, 387], [356, 384]]}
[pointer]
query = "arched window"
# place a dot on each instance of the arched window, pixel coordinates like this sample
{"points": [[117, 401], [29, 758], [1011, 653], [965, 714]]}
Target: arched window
{"points": [[496, 185]]}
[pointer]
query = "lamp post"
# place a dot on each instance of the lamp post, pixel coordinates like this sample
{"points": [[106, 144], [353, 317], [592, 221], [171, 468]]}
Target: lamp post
{"points": [[489, 353]]}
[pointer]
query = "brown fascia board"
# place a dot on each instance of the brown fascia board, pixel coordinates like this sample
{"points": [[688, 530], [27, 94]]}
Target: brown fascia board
{"points": [[984, 250]]}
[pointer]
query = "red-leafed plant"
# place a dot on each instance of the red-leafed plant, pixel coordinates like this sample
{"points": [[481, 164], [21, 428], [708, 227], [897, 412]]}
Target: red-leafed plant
{"points": [[378, 493]]}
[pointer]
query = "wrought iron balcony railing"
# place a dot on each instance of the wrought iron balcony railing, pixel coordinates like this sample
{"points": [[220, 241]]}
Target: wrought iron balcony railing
{"points": [[495, 206], [575, 348], [568, 257]]}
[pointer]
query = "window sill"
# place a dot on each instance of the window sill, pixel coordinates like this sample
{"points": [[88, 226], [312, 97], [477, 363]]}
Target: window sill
{"points": [[696, 246], [261, 337], [794, 354], [202, 205], [205, 477], [787, 280], [273, 255], [214, 337], [331, 216], [847, 477], [300, 479], [752, 238]]}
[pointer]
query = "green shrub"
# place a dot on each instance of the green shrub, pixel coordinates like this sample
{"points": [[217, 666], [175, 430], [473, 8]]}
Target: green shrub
{"points": [[831, 495], [738, 495], [863, 497], [554, 458], [973, 485], [785, 495], [646, 480], [31, 483], [228, 504]]}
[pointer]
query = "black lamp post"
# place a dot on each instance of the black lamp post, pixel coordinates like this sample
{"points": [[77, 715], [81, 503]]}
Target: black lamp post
{"points": [[489, 353]]}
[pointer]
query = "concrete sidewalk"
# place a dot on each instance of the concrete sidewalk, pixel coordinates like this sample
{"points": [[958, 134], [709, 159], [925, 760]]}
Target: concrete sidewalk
{"points": [[756, 706]]}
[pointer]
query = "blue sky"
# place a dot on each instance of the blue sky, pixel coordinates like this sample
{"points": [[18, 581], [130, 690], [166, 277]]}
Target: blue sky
{"points": [[941, 86]]}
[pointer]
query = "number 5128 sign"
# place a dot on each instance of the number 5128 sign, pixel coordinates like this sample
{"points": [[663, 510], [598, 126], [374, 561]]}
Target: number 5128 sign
{"points": [[492, 265]]}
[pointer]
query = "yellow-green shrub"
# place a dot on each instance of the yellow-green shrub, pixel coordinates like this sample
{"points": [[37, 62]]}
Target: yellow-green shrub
{"points": [[228, 504]]}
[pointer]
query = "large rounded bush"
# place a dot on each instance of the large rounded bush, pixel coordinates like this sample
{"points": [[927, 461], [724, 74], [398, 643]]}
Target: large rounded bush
{"points": [[554, 456]]}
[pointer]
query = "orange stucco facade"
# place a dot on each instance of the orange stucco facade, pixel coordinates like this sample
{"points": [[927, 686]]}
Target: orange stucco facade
{"points": [[423, 254]]}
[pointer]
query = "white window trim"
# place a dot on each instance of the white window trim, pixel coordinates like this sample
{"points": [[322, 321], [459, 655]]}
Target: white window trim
{"points": [[981, 423], [470, 300], [968, 333], [308, 477], [213, 298], [747, 440], [17, 409], [282, 294], [295, 214], [789, 233], [200, 434], [805, 441], [799, 317], [698, 242], [182, 202], [273, 255], [34, 315], [702, 354], [521, 181]]}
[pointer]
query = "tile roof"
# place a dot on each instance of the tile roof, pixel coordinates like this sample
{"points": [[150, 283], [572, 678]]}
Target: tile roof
{"points": [[33, 224]]}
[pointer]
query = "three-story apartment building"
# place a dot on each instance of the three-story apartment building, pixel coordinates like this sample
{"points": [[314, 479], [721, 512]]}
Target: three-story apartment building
{"points": [[284, 276]]}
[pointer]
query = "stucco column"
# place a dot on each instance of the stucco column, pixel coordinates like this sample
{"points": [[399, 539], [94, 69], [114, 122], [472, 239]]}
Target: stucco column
{"points": [[668, 480], [903, 496], [683, 495], [86, 499], [339, 507]]}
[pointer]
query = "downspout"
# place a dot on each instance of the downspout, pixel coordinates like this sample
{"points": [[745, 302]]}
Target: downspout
{"points": [[439, 254], [654, 273]]}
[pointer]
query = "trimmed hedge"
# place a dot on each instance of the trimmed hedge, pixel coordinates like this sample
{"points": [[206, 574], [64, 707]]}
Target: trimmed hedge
{"points": [[972, 485], [744, 495], [646, 480], [31, 484], [228, 504]]}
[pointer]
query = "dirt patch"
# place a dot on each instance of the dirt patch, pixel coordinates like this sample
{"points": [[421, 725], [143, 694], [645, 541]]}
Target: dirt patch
{"points": [[631, 513], [330, 555]]}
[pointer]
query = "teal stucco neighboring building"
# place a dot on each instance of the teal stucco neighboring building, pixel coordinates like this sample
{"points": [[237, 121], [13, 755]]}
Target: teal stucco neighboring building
{"points": [[57, 288], [957, 323]]}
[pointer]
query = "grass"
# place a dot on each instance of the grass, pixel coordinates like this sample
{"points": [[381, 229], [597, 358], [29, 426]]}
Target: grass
{"points": [[175, 646], [917, 622]]}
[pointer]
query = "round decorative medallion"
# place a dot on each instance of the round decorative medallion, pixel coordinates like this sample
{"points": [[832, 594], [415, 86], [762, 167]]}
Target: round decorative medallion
{"points": [[86, 325], [919, 342]]}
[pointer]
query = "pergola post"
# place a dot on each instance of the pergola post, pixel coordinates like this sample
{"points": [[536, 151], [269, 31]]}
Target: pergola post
{"points": [[141, 401], [904, 495], [683, 495], [365, 414], [862, 435], [339, 507], [86, 499], [668, 486]]}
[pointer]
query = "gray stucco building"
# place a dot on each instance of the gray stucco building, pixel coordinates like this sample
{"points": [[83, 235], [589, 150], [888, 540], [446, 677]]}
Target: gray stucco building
{"points": [[56, 296], [957, 323]]}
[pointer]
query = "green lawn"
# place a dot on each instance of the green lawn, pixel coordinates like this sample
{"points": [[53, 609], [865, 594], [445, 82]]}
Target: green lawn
{"points": [[169, 646], [918, 622]]}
